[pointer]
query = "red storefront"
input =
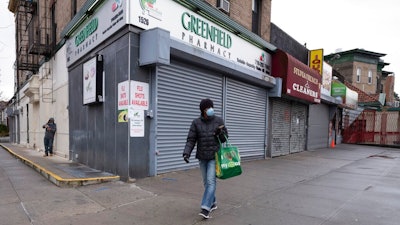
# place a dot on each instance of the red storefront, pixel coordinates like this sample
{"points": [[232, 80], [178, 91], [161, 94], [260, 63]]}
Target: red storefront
{"points": [[300, 88]]}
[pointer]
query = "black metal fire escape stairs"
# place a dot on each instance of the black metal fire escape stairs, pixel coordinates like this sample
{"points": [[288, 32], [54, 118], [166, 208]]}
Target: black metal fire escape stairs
{"points": [[35, 43]]}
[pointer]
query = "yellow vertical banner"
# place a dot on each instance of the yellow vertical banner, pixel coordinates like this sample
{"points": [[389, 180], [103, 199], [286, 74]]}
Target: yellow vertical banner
{"points": [[316, 59]]}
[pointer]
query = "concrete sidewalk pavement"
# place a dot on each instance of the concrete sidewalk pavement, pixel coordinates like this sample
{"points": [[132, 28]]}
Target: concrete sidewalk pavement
{"points": [[350, 184], [60, 171]]}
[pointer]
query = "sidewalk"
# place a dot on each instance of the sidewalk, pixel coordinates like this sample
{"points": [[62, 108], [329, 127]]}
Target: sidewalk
{"points": [[60, 171], [350, 184]]}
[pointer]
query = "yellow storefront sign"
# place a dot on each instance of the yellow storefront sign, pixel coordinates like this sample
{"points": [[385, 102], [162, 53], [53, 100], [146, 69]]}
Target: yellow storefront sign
{"points": [[316, 59]]}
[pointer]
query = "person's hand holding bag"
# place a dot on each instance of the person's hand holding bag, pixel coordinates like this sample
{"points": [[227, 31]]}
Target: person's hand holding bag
{"points": [[219, 133]]}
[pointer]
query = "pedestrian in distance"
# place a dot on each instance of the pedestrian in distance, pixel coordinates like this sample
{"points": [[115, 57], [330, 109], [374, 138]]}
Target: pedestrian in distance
{"points": [[50, 130], [205, 132]]}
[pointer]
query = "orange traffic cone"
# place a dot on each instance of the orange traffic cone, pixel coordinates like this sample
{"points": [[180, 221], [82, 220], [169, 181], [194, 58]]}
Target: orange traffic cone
{"points": [[333, 144]]}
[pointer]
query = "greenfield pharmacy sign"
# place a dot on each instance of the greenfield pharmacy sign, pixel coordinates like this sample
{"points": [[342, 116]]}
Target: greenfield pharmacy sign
{"points": [[193, 29], [184, 26], [104, 22], [88, 30], [201, 28]]}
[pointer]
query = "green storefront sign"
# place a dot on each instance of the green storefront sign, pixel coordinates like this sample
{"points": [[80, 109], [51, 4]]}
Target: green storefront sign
{"points": [[202, 29], [338, 89], [89, 29]]}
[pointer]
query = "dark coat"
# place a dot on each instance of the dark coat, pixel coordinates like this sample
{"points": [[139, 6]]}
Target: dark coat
{"points": [[202, 132], [50, 130]]}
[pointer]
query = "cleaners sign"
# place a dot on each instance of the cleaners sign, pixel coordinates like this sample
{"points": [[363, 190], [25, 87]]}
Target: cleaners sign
{"points": [[299, 80]]}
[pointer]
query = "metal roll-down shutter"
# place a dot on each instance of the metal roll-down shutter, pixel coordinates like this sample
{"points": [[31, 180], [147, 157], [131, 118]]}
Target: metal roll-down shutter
{"points": [[180, 87], [245, 118]]}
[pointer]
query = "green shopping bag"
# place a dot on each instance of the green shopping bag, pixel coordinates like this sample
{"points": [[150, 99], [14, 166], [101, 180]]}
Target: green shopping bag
{"points": [[227, 161]]}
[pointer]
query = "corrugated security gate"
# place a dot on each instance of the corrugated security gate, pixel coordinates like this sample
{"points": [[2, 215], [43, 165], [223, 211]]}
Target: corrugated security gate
{"points": [[288, 127], [180, 87], [318, 126], [246, 118], [179, 91]]}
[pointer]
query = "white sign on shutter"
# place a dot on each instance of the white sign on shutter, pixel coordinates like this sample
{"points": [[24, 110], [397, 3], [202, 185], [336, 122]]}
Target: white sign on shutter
{"points": [[139, 95]]}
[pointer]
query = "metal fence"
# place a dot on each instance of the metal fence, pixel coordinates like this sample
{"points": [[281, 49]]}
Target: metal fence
{"points": [[372, 127]]}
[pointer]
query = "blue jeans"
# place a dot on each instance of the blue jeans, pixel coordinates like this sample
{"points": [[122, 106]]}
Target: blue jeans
{"points": [[48, 145], [207, 168]]}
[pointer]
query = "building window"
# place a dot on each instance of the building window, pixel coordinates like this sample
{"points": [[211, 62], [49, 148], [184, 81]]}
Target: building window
{"points": [[256, 13], [358, 75], [369, 76]]}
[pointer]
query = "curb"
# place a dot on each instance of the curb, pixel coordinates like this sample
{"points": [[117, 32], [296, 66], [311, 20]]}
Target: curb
{"points": [[56, 179]]}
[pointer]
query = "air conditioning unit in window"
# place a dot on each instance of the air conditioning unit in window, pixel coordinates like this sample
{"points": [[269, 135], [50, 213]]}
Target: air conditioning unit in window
{"points": [[223, 5]]}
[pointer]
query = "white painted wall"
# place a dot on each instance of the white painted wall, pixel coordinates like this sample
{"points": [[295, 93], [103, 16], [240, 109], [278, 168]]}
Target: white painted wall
{"points": [[53, 80]]}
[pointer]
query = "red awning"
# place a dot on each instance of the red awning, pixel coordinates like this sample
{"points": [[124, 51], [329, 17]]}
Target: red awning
{"points": [[299, 80]]}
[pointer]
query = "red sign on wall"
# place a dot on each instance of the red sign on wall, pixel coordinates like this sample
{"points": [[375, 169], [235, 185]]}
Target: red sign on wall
{"points": [[299, 80]]}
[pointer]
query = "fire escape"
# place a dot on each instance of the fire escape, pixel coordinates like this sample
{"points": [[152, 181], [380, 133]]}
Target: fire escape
{"points": [[34, 43]]}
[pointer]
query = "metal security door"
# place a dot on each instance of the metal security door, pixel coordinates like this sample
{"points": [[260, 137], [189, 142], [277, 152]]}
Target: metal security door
{"points": [[280, 126], [245, 118], [298, 127], [318, 126], [180, 87]]}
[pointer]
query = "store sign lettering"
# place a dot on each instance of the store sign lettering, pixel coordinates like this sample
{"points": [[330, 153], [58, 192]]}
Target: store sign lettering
{"points": [[305, 90], [139, 95], [202, 29], [305, 75], [316, 64], [316, 58], [89, 29], [304, 83]]}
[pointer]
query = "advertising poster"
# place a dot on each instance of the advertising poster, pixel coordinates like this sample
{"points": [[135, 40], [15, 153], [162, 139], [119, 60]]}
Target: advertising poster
{"points": [[122, 116], [133, 99], [139, 95], [136, 122], [123, 95], [123, 101], [89, 81], [326, 79]]}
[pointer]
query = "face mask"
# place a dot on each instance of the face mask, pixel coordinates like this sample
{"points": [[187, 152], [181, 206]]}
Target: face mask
{"points": [[210, 112]]}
